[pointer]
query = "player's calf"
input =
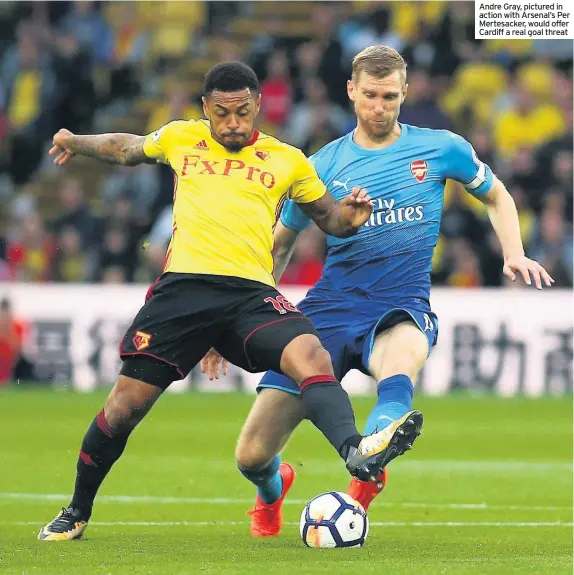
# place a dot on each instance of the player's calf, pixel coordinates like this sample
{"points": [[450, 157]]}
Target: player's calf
{"points": [[272, 419]]}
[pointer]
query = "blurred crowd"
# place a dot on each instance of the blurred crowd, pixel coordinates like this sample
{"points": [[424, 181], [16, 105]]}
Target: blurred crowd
{"points": [[133, 66]]}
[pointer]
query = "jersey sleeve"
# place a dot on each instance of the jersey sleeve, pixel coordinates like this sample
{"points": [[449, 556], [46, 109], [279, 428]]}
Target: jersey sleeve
{"points": [[293, 217], [464, 166], [157, 144], [307, 186]]}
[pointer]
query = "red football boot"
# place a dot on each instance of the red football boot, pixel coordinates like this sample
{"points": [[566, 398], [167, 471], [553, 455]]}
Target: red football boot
{"points": [[267, 518], [365, 491]]}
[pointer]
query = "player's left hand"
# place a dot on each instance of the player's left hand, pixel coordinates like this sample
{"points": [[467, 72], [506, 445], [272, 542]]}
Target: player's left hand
{"points": [[526, 268], [357, 207], [210, 364]]}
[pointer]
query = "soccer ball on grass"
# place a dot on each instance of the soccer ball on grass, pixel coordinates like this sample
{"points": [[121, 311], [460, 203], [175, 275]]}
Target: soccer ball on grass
{"points": [[334, 519]]}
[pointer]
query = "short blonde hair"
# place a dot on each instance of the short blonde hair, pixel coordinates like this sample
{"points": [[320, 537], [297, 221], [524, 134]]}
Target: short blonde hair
{"points": [[378, 61]]}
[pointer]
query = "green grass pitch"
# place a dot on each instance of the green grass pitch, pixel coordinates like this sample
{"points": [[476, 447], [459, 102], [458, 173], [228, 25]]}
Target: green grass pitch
{"points": [[487, 490]]}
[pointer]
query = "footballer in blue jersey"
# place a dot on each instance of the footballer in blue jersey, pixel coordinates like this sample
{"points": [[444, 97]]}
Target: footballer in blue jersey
{"points": [[372, 305]]}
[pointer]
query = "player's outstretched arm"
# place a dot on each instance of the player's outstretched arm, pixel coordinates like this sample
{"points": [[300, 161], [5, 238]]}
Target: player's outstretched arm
{"points": [[340, 219], [283, 248], [504, 218], [122, 149]]}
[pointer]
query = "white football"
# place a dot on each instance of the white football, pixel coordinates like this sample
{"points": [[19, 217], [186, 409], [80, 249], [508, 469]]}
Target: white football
{"points": [[334, 519]]}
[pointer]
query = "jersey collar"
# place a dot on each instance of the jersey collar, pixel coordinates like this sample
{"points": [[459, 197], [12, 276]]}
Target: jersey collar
{"points": [[253, 139]]}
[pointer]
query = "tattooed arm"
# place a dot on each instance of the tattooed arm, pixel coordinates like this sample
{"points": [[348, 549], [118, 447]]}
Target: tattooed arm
{"points": [[123, 149]]}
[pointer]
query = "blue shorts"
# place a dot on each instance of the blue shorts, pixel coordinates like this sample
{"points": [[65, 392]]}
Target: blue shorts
{"points": [[348, 328]]}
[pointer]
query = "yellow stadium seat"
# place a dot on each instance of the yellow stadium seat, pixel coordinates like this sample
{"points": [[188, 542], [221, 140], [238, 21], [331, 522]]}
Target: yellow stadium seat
{"points": [[193, 13], [170, 40], [161, 12]]}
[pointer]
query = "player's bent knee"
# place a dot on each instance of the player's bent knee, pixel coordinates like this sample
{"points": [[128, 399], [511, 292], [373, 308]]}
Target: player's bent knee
{"points": [[252, 455], [123, 412], [120, 417], [131, 398], [305, 357], [400, 362], [405, 365], [402, 349]]}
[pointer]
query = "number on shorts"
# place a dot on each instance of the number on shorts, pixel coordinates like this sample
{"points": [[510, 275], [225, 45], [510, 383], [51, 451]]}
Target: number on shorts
{"points": [[281, 304]]}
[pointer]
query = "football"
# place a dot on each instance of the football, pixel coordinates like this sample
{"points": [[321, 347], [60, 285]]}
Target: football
{"points": [[334, 519]]}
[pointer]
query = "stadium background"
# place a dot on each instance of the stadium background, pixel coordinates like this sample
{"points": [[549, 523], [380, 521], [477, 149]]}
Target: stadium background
{"points": [[133, 66]]}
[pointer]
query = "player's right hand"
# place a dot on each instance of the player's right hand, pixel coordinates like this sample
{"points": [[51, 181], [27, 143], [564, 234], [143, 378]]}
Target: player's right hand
{"points": [[210, 364], [61, 147]]}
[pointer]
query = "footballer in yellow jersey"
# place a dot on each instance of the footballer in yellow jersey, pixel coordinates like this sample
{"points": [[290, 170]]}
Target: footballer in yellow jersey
{"points": [[226, 203], [217, 289]]}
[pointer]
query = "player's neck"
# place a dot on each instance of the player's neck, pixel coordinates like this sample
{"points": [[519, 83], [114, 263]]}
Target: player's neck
{"points": [[362, 139]]}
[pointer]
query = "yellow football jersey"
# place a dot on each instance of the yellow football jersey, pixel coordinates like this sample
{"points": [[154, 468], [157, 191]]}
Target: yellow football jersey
{"points": [[226, 204]]}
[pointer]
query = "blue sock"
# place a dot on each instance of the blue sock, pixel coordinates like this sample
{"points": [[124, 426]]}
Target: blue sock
{"points": [[395, 398], [268, 481]]}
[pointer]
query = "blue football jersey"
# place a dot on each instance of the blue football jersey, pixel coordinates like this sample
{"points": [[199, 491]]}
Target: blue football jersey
{"points": [[390, 256]]}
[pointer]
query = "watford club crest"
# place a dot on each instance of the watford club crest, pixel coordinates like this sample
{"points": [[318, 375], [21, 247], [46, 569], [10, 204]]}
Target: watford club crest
{"points": [[141, 340], [419, 170], [262, 155]]}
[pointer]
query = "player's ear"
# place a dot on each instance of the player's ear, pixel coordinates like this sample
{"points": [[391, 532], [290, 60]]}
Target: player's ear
{"points": [[205, 107], [257, 104], [351, 90], [404, 95]]}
